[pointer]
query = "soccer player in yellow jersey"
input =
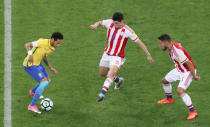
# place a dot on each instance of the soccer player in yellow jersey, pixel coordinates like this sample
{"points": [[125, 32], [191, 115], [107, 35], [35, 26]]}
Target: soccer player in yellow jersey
{"points": [[32, 65]]}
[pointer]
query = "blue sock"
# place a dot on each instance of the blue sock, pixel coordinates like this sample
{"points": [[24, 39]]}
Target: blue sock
{"points": [[34, 89], [103, 91], [39, 92], [116, 79], [169, 96], [192, 109]]}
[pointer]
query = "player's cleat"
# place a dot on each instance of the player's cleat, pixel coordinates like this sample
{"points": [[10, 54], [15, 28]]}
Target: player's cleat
{"points": [[101, 97], [32, 93], [166, 101], [119, 84], [34, 109], [41, 97], [192, 115]]}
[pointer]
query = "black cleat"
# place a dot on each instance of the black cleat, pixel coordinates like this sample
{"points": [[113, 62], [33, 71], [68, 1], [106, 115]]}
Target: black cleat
{"points": [[119, 84], [101, 97]]}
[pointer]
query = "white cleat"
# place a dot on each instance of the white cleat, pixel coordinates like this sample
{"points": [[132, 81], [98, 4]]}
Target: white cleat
{"points": [[119, 84]]}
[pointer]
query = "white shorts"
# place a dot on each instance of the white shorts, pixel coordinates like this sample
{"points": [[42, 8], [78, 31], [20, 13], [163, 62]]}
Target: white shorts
{"points": [[185, 78], [107, 61]]}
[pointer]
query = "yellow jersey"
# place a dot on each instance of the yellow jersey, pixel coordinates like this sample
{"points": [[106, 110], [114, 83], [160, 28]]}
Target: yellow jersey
{"points": [[41, 48]]}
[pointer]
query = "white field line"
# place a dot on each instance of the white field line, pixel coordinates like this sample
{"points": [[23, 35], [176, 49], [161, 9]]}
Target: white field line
{"points": [[7, 63]]}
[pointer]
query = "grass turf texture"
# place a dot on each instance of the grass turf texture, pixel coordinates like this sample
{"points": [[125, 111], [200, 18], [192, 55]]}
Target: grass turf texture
{"points": [[74, 90], [1, 61]]}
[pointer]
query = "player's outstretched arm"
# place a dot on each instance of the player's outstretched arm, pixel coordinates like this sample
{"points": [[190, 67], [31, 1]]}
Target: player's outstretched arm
{"points": [[53, 70], [95, 25], [192, 70], [144, 48], [28, 48]]}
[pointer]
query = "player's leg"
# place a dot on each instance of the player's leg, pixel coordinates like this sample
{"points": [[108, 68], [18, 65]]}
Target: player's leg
{"points": [[107, 83], [118, 61], [37, 73], [43, 84], [114, 65], [30, 70], [185, 81], [42, 69], [103, 71], [118, 80], [40, 89], [45, 75], [172, 76], [32, 91], [104, 67]]}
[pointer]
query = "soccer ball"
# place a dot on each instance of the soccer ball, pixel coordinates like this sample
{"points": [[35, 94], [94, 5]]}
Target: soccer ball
{"points": [[46, 104]]}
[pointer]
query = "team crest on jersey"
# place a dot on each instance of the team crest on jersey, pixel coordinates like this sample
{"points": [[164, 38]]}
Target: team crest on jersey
{"points": [[122, 32], [180, 59], [113, 36], [134, 35], [40, 75]]}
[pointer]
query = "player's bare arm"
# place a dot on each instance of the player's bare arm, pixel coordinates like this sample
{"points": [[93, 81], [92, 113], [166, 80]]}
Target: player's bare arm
{"points": [[144, 48], [192, 70], [28, 48], [95, 25], [53, 70]]}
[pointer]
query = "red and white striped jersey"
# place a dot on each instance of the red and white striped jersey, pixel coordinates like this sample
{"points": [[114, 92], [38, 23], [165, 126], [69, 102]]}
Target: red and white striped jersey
{"points": [[117, 38], [179, 56]]}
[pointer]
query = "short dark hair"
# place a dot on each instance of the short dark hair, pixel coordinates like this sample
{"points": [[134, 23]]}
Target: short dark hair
{"points": [[57, 35], [165, 37], [117, 16]]}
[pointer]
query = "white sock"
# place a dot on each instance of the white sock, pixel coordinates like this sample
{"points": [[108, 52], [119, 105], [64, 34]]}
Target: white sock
{"points": [[186, 99], [167, 88], [107, 84]]}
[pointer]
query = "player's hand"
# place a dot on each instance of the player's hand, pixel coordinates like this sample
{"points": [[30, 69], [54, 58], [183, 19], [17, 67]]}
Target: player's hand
{"points": [[149, 58], [53, 70], [30, 59], [196, 77], [93, 27]]}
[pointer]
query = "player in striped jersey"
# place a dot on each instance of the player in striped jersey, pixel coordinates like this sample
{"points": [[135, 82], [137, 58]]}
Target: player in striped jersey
{"points": [[184, 71], [114, 57]]}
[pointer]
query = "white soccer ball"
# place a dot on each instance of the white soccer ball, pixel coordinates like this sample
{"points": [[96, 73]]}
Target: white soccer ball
{"points": [[46, 104]]}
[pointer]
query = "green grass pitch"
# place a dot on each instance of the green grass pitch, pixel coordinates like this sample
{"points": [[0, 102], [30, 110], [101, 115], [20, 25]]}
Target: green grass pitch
{"points": [[74, 90]]}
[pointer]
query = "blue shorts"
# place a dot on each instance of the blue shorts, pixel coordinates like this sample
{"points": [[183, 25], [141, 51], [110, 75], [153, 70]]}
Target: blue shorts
{"points": [[36, 72]]}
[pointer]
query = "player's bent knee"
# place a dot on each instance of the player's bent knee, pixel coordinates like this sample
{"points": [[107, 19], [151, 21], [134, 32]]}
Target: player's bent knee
{"points": [[112, 72], [48, 78], [180, 91], [44, 79], [112, 75], [164, 81], [102, 74]]}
